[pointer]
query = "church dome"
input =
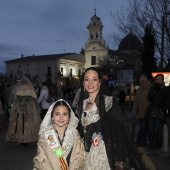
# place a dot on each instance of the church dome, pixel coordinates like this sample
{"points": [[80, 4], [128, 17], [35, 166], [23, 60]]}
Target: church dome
{"points": [[130, 42]]}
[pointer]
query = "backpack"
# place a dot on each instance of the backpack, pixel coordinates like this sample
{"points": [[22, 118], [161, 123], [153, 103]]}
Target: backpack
{"points": [[49, 98]]}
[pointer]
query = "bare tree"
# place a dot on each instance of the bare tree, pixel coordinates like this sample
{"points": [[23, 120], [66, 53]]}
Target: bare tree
{"points": [[107, 65], [138, 14], [148, 60]]}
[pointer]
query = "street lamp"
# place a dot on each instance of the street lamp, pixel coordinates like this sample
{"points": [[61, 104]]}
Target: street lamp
{"points": [[120, 63]]}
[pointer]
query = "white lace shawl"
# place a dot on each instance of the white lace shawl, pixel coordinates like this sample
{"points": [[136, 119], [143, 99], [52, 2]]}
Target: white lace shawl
{"points": [[92, 115], [47, 119]]}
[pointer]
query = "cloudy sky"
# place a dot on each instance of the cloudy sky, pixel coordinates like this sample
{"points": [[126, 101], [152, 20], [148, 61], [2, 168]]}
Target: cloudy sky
{"points": [[42, 27]]}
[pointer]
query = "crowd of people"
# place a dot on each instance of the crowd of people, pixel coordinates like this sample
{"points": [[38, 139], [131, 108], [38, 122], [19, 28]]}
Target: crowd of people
{"points": [[93, 132]]}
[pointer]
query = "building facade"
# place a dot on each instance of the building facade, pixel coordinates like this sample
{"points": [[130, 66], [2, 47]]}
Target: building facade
{"points": [[45, 66]]}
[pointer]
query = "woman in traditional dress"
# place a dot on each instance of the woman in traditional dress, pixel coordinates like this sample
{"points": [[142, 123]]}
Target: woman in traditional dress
{"points": [[60, 146], [24, 121], [107, 140]]}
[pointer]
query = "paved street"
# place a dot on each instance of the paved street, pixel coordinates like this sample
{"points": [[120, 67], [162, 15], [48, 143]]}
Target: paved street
{"points": [[13, 156], [160, 161]]}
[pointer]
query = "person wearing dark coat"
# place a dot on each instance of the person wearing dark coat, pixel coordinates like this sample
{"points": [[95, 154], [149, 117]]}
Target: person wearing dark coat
{"points": [[158, 97]]}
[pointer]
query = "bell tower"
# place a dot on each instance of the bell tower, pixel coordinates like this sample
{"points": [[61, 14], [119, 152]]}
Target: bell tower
{"points": [[95, 31], [95, 46]]}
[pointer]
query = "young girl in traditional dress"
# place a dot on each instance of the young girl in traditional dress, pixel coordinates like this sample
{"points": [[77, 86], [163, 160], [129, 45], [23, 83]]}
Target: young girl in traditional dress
{"points": [[60, 146]]}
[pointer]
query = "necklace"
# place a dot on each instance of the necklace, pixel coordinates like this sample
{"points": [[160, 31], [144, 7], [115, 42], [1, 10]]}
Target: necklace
{"points": [[90, 103], [61, 132], [61, 135]]}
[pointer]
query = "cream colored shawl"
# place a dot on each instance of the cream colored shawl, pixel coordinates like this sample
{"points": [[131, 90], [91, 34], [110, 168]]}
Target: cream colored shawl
{"points": [[25, 88]]}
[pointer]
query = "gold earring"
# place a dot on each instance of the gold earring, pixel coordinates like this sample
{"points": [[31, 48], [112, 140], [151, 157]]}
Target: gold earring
{"points": [[84, 89]]}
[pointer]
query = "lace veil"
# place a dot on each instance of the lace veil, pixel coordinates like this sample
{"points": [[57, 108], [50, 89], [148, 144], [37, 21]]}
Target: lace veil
{"points": [[73, 121]]}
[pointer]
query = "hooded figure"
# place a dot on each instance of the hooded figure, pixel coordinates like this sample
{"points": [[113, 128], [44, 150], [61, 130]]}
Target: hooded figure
{"points": [[24, 121]]}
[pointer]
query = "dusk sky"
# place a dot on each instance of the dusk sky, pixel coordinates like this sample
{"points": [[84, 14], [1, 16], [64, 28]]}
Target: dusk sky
{"points": [[43, 27]]}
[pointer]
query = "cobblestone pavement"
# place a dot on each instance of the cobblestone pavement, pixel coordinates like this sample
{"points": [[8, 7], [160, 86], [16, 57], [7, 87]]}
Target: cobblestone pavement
{"points": [[13, 156]]}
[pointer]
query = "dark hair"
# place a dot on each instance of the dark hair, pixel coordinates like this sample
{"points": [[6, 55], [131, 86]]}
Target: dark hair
{"points": [[44, 83], [144, 75], [50, 88], [93, 69], [160, 75], [61, 103]]}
